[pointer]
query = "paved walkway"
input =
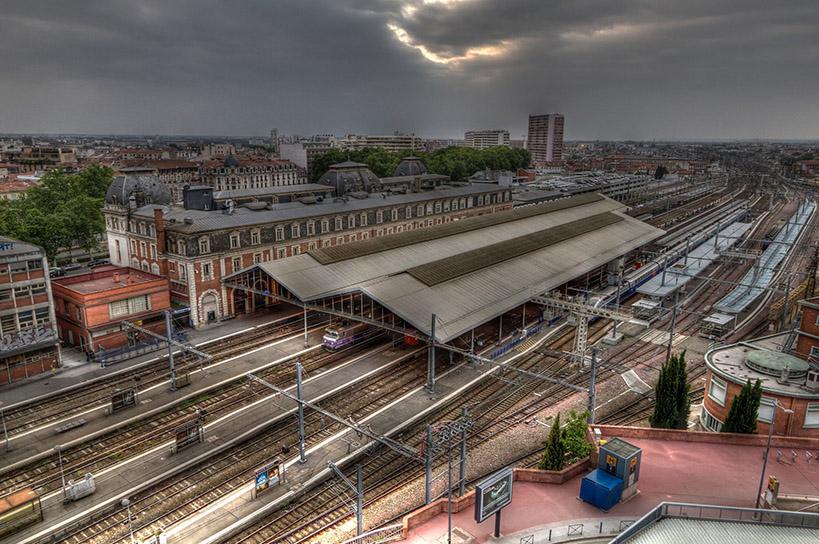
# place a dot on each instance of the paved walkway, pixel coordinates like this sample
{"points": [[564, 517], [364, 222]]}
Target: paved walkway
{"points": [[687, 472], [40, 442]]}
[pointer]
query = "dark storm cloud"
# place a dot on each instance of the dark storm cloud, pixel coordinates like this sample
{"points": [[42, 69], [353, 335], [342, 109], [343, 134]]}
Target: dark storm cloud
{"points": [[627, 69]]}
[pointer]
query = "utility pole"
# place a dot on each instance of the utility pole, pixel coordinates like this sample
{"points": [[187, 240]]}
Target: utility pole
{"points": [[300, 396], [170, 348], [431, 358]]}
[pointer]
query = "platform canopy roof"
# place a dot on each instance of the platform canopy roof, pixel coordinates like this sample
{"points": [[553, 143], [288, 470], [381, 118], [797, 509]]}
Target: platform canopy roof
{"points": [[469, 271]]}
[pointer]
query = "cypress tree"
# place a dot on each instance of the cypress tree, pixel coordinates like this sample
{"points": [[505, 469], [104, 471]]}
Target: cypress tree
{"points": [[744, 410], [671, 406], [681, 393], [555, 455]]}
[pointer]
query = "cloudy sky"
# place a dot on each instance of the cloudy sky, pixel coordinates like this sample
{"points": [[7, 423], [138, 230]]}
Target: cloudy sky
{"points": [[617, 69]]}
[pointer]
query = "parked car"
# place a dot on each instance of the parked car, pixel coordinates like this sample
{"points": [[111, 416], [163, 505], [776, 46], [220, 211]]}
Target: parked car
{"points": [[55, 272], [71, 267], [98, 262]]}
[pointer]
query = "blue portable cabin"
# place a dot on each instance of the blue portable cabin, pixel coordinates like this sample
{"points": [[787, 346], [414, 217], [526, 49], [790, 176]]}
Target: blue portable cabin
{"points": [[601, 489]]}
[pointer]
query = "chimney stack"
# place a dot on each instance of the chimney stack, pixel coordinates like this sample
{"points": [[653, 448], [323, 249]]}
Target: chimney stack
{"points": [[116, 277]]}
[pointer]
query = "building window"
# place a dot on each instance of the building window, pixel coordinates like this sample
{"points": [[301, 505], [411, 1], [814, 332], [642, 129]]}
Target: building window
{"points": [[172, 266], [437, 207], [135, 263], [325, 225], [379, 216], [363, 219], [812, 415], [710, 422], [145, 266], [419, 212], [717, 390], [133, 247], [767, 405], [26, 320], [183, 271], [279, 233], [339, 223], [234, 240], [153, 251], [204, 245], [339, 240], [395, 214], [814, 351], [311, 228], [254, 237], [311, 246], [257, 258], [207, 271], [129, 306], [446, 205], [325, 242], [41, 316], [295, 231], [237, 264], [281, 253], [295, 250], [143, 249], [351, 222], [180, 247], [154, 268]]}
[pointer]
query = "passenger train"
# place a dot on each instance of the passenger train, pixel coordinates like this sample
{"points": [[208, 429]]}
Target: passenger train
{"points": [[644, 273], [343, 334]]}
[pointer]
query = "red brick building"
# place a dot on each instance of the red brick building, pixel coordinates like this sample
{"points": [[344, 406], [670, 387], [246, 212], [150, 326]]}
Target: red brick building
{"points": [[91, 307], [28, 339], [789, 376]]}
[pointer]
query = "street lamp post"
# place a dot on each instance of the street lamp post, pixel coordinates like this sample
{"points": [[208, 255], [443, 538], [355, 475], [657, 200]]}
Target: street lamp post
{"points": [[127, 504], [62, 474], [5, 432], [768, 447]]}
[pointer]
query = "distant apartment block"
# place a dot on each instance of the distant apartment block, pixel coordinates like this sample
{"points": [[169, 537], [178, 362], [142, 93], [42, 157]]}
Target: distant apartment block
{"points": [[545, 138], [481, 139], [397, 142], [303, 153]]}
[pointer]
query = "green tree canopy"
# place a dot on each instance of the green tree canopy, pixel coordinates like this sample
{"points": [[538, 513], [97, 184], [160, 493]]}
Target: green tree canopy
{"points": [[672, 405], [457, 162], [744, 410], [554, 456], [574, 435], [64, 211]]}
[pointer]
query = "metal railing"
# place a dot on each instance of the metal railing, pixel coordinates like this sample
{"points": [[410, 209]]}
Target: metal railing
{"points": [[390, 533]]}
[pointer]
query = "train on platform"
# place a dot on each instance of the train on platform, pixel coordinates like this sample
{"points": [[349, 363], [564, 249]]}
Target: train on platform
{"points": [[18, 511], [343, 334], [645, 271]]}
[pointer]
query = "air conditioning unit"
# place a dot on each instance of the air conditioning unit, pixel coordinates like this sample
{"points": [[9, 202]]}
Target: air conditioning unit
{"points": [[812, 381]]}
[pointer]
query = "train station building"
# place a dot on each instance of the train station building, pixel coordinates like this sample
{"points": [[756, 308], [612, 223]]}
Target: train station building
{"points": [[444, 281]]}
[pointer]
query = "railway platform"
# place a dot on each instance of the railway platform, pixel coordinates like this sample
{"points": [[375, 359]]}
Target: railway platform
{"points": [[76, 369], [27, 446], [724, 471], [153, 466]]}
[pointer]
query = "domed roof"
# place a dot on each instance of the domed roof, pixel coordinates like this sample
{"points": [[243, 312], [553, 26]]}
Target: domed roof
{"points": [[350, 177], [231, 161], [773, 362], [410, 166], [141, 183]]}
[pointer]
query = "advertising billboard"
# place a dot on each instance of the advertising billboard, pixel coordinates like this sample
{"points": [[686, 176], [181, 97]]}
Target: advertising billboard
{"points": [[122, 399], [188, 435], [493, 494], [267, 476]]}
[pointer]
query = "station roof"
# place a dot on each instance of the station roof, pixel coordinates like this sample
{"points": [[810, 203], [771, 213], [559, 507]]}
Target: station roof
{"points": [[685, 530], [469, 271], [684, 270], [759, 277]]}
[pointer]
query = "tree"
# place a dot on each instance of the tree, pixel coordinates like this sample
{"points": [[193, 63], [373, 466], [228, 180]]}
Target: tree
{"points": [[660, 172], [672, 405], [574, 435], [744, 410], [554, 456]]}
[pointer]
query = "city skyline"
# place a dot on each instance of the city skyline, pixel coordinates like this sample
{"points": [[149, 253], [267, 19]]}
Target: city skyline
{"points": [[633, 71]]}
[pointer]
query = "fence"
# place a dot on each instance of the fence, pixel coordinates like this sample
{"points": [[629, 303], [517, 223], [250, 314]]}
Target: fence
{"points": [[107, 357], [390, 533], [514, 343]]}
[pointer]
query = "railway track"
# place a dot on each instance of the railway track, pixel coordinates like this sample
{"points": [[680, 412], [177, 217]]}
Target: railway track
{"points": [[65, 405], [108, 450]]}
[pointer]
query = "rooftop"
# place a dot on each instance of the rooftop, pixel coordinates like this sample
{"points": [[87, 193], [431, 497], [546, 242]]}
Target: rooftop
{"points": [[472, 270], [767, 361], [10, 247], [105, 280]]}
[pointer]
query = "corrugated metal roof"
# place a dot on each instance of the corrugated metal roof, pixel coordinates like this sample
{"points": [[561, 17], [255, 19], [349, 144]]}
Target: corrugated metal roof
{"points": [[758, 278], [374, 245], [685, 531], [472, 298], [698, 259], [457, 265]]}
